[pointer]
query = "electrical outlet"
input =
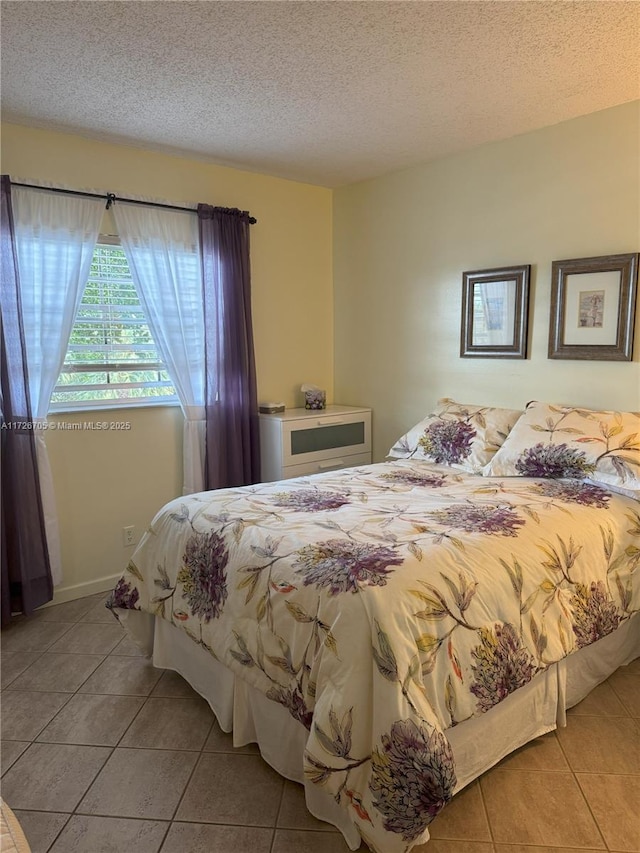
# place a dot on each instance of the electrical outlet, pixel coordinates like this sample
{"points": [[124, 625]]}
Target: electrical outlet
{"points": [[128, 536]]}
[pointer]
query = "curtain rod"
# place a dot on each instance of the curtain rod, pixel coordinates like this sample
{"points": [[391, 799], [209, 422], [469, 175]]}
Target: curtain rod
{"points": [[111, 197]]}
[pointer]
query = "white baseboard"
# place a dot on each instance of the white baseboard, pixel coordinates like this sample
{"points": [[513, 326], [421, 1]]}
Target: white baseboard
{"points": [[81, 590]]}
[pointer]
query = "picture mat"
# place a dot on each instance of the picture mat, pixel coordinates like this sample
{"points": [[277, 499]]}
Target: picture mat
{"points": [[577, 283]]}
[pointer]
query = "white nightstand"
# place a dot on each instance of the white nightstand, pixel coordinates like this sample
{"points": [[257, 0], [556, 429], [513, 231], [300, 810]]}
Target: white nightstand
{"points": [[297, 442]]}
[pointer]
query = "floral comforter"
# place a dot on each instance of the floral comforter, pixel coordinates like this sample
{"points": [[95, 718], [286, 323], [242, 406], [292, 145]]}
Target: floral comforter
{"points": [[381, 605]]}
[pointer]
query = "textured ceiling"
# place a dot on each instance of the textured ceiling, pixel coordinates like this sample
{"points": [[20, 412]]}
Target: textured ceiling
{"points": [[323, 92]]}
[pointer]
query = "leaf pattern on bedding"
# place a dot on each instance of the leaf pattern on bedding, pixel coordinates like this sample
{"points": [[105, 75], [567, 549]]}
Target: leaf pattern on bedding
{"points": [[293, 701], [384, 604]]}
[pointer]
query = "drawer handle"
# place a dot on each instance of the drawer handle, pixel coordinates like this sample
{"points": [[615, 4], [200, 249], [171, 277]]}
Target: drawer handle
{"points": [[330, 423], [328, 466]]}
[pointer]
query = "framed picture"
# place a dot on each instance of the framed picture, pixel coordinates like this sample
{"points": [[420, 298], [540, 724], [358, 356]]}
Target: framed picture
{"points": [[593, 308], [494, 313]]}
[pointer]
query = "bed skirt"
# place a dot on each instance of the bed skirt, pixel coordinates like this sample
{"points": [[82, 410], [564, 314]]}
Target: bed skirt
{"points": [[478, 744]]}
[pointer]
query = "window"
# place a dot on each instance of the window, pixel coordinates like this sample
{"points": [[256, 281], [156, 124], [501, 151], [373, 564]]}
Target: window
{"points": [[111, 359], [481, 336]]}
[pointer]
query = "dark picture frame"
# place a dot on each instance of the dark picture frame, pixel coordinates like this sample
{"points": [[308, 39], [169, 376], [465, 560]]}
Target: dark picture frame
{"points": [[495, 311], [593, 307]]}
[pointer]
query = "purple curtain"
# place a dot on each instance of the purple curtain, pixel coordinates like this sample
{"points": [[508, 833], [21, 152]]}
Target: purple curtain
{"points": [[232, 438], [26, 573]]}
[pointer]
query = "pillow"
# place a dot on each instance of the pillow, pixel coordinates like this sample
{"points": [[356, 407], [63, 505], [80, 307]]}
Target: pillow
{"points": [[465, 437], [566, 442]]}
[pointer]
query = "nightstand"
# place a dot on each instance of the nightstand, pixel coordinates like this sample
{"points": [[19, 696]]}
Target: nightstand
{"points": [[297, 442]]}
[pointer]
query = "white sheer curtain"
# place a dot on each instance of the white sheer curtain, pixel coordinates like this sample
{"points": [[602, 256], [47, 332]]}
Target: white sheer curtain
{"points": [[55, 238], [163, 254]]}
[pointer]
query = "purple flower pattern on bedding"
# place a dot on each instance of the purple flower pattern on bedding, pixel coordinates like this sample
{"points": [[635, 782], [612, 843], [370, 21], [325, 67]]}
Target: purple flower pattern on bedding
{"points": [[594, 613], [426, 595], [202, 576], [492, 520], [124, 596], [310, 500], [554, 460], [501, 665], [448, 442], [415, 478], [412, 777], [573, 492], [344, 566]]}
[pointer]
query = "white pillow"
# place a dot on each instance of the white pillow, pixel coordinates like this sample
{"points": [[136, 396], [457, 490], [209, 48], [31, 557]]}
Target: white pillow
{"points": [[462, 436], [567, 442]]}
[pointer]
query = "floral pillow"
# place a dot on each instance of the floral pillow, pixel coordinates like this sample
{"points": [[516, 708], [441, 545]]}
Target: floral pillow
{"points": [[465, 437], [573, 443]]}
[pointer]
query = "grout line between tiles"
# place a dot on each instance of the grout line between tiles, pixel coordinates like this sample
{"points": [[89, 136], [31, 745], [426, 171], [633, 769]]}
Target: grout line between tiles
{"points": [[165, 836], [37, 735], [64, 634], [486, 812], [49, 690], [586, 802], [201, 822], [624, 716], [621, 700], [196, 763], [275, 826], [607, 773], [48, 647], [595, 819], [91, 784], [139, 711], [2, 689], [134, 718], [59, 833]]}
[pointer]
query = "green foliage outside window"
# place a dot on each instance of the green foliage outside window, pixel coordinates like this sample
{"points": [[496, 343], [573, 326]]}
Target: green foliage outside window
{"points": [[111, 357]]}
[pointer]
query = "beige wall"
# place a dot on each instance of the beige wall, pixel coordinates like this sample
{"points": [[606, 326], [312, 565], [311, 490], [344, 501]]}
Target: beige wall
{"points": [[105, 481], [401, 243]]}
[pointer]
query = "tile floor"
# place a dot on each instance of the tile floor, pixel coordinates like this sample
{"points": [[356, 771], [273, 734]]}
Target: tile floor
{"points": [[102, 752]]}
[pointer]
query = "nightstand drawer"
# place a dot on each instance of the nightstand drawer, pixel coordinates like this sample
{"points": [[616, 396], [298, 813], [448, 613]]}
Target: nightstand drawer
{"points": [[300, 441], [323, 437], [325, 466]]}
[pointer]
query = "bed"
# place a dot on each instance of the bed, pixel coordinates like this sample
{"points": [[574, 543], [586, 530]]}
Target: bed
{"points": [[387, 633]]}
